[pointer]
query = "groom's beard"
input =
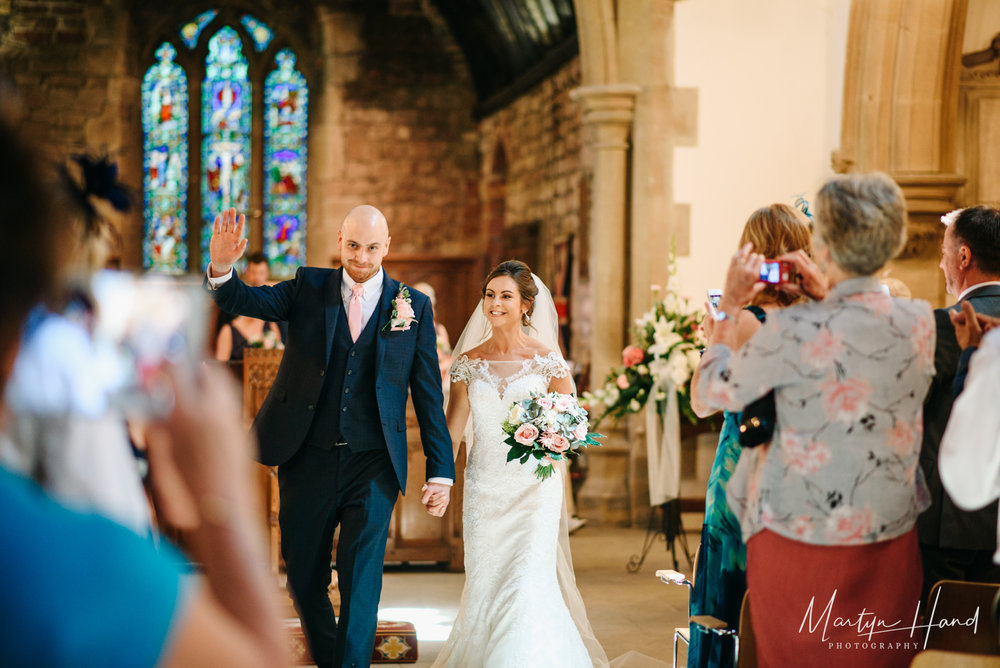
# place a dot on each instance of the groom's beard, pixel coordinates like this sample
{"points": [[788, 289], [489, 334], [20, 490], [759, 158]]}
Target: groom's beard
{"points": [[359, 274]]}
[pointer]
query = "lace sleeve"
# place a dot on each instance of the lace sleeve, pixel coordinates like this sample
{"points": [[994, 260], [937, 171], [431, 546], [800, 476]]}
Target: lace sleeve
{"points": [[552, 366], [462, 370]]}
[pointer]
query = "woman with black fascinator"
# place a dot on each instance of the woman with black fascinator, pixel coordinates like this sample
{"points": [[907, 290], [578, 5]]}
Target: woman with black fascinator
{"points": [[60, 429]]}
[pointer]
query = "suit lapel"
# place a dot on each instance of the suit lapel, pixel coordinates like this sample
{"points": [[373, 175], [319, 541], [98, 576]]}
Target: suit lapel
{"points": [[333, 306], [389, 288]]}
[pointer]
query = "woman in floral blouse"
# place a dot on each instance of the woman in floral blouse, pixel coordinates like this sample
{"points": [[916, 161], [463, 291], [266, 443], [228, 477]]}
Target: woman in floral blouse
{"points": [[828, 508]]}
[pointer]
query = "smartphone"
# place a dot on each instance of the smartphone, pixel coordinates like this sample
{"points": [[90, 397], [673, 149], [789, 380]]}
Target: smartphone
{"points": [[775, 271], [142, 323], [714, 296]]}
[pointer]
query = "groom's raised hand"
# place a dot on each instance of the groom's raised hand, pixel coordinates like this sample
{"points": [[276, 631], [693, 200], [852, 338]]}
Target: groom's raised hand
{"points": [[435, 498], [227, 244]]}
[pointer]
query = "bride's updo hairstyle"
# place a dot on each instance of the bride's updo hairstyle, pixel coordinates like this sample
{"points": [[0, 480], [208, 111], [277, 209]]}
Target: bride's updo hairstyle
{"points": [[521, 274]]}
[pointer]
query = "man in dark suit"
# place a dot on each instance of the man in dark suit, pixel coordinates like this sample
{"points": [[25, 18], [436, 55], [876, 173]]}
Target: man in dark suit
{"points": [[334, 421], [957, 544]]}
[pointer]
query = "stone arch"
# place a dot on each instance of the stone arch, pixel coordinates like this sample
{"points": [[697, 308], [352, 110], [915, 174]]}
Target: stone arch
{"points": [[900, 116]]}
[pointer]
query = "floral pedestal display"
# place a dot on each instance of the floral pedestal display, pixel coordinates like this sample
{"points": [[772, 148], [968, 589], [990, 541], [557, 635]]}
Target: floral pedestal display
{"points": [[654, 380]]}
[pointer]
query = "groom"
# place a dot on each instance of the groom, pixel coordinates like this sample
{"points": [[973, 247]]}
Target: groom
{"points": [[334, 421]]}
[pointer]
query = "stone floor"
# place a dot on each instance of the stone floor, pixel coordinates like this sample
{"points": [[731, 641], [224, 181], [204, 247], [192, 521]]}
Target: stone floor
{"points": [[629, 611]]}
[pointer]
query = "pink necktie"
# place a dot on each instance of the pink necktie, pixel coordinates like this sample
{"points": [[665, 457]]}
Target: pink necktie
{"points": [[354, 312]]}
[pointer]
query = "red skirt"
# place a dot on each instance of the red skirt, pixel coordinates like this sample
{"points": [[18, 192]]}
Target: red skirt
{"points": [[821, 605]]}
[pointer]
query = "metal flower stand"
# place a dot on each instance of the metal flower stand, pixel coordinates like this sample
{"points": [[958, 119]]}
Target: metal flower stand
{"points": [[665, 522]]}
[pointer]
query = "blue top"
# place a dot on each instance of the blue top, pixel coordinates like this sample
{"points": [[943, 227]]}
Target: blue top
{"points": [[77, 589]]}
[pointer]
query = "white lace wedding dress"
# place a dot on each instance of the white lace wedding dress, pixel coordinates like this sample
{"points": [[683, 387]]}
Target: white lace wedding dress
{"points": [[513, 613]]}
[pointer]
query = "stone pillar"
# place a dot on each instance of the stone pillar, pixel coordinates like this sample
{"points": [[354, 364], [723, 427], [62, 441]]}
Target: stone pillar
{"points": [[608, 121], [900, 113]]}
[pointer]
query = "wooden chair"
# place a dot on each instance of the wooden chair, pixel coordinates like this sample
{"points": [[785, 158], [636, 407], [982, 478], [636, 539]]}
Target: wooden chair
{"points": [[958, 617], [937, 658]]}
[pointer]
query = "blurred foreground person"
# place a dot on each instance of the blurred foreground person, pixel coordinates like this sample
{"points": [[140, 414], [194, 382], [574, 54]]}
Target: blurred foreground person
{"points": [[80, 590]]}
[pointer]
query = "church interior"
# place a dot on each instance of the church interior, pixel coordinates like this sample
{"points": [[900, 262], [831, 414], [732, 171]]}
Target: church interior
{"points": [[615, 146]]}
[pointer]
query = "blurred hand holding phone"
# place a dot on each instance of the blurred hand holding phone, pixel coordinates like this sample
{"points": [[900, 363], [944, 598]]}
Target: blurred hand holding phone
{"points": [[142, 323]]}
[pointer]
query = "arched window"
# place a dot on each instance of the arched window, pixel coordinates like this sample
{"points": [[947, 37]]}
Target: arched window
{"points": [[225, 99]]}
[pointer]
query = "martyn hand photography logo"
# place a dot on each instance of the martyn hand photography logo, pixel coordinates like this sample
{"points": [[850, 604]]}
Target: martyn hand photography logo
{"points": [[869, 625]]}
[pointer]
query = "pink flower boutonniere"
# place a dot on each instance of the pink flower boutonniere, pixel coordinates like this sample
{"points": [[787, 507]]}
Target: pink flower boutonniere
{"points": [[402, 312]]}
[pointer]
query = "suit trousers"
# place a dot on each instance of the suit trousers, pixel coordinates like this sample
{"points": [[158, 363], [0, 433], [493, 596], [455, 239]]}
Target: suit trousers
{"points": [[320, 489]]}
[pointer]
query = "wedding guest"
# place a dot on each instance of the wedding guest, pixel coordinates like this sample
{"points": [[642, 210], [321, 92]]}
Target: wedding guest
{"points": [[61, 429], [443, 342], [720, 580], [249, 331], [244, 332], [969, 330], [81, 590], [969, 461], [957, 544], [828, 509]]}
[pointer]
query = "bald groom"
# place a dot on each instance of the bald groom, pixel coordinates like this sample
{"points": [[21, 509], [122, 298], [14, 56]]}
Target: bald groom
{"points": [[334, 422]]}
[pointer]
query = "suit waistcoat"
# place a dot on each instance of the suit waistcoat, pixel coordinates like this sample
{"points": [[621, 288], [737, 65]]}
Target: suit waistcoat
{"points": [[347, 409]]}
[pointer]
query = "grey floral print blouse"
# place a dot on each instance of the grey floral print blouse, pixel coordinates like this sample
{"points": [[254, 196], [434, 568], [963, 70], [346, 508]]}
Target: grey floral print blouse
{"points": [[849, 374]]}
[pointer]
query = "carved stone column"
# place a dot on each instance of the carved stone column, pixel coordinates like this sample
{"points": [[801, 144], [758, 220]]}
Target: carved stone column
{"points": [[901, 86], [608, 121]]}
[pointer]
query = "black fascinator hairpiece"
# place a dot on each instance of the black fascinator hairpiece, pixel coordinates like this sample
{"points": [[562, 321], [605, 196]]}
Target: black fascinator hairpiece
{"points": [[99, 179]]}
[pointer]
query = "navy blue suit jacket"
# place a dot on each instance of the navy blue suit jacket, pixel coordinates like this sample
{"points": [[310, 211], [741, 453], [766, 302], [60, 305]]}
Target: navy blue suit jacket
{"points": [[311, 303]]}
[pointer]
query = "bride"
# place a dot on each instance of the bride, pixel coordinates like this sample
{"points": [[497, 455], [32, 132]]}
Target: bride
{"points": [[520, 606]]}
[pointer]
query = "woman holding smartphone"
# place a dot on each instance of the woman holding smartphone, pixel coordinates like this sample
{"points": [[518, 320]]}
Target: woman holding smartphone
{"points": [[828, 508], [721, 569]]}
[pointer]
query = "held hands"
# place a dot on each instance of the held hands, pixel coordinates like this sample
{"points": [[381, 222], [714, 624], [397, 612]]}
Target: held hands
{"points": [[436, 497], [227, 244], [970, 326]]}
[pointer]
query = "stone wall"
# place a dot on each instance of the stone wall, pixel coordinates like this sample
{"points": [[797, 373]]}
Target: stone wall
{"points": [[391, 119], [73, 64], [540, 139], [397, 130]]}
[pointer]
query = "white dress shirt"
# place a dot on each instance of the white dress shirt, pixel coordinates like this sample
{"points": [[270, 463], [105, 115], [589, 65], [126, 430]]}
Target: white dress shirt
{"points": [[370, 298]]}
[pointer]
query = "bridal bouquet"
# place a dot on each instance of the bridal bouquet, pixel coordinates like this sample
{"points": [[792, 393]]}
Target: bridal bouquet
{"points": [[548, 427]]}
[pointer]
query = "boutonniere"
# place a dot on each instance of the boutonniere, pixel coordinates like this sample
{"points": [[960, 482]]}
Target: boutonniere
{"points": [[402, 312]]}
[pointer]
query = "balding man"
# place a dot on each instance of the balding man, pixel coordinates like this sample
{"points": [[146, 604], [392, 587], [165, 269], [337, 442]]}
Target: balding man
{"points": [[334, 422]]}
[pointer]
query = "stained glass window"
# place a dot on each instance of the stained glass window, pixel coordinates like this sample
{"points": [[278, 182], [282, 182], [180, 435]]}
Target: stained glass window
{"points": [[259, 33], [165, 153], [286, 99], [224, 88], [190, 32], [225, 127]]}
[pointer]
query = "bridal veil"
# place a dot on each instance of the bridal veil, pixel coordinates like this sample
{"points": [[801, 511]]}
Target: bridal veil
{"points": [[544, 326]]}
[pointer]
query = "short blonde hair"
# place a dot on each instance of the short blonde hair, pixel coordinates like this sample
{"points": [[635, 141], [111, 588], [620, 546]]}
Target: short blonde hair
{"points": [[862, 220]]}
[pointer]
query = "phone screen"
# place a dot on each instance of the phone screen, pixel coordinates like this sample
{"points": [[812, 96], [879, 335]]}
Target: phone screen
{"points": [[774, 271], [713, 301], [141, 324]]}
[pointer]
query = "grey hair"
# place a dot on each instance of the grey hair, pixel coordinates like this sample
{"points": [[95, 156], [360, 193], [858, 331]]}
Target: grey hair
{"points": [[862, 220]]}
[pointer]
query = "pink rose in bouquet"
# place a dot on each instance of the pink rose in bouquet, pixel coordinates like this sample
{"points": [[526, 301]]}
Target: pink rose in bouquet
{"points": [[622, 382], [546, 428], [526, 434], [555, 442], [633, 355]]}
